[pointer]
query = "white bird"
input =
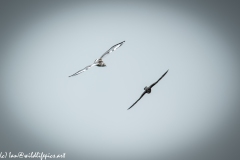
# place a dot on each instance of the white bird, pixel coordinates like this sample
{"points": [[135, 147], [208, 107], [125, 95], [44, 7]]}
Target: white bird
{"points": [[99, 62]]}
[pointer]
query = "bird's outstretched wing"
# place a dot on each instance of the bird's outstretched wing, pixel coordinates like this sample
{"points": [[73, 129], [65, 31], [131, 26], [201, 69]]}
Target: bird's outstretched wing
{"points": [[138, 99], [113, 48], [158, 79], [84, 69]]}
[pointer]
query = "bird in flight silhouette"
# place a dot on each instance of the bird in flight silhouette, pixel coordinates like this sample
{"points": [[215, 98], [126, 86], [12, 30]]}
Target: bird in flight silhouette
{"points": [[148, 89], [99, 62]]}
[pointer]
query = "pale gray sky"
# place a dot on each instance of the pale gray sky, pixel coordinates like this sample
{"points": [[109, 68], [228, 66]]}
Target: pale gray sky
{"points": [[189, 114]]}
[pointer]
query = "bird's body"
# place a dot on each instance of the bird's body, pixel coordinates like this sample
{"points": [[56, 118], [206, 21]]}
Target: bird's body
{"points": [[99, 62], [148, 89]]}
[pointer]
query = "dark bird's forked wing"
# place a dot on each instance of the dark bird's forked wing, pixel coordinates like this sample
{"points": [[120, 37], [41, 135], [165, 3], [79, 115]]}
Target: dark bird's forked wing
{"points": [[158, 79], [113, 48], [138, 99], [84, 69]]}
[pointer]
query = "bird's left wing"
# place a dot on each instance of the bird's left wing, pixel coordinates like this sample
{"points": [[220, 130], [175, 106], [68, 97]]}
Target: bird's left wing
{"points": [[138, 100], [113, 48], [84, 69], [158, 79]]}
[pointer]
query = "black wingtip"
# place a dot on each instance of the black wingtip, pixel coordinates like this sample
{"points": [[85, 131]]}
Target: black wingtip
{"points": [[130, 107], [166, 72]]}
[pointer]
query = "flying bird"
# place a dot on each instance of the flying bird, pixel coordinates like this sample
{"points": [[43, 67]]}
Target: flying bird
{"points": [[148, 89], [99, 62]]}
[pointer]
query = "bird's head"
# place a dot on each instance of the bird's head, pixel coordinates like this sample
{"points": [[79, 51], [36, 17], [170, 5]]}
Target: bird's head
{"points": [[146, 88]]}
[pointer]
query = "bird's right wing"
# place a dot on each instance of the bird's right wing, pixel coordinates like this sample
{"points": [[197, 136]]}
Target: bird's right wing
{"points": [[84, 69], [138, 99], [158, 79]]}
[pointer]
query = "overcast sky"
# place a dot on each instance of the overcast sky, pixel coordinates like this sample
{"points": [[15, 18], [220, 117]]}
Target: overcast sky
{"points": [[192, 113]]}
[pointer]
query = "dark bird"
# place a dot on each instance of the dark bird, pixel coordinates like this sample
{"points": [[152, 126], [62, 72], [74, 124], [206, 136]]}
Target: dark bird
{"points": [[99, 62], [148, 89]]}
